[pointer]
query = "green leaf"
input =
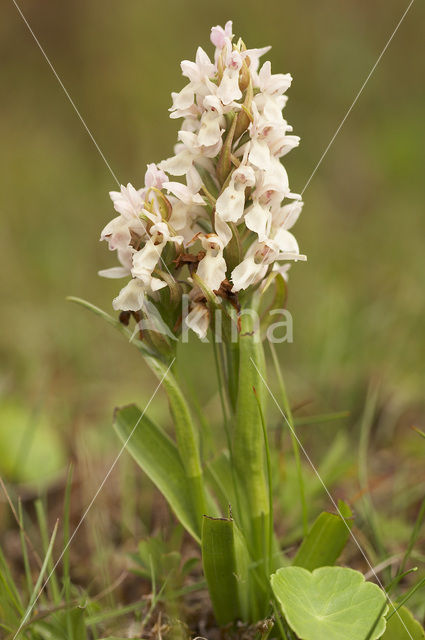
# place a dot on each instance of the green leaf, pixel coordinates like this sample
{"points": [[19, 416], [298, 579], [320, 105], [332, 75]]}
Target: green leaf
{"points": [[186, 436], [220, 569], [401, 624], [331, 603], [325, 541], [159, 458]]}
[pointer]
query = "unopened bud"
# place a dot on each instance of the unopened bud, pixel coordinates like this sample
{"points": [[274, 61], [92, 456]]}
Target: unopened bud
{"points": [[244, 76]]}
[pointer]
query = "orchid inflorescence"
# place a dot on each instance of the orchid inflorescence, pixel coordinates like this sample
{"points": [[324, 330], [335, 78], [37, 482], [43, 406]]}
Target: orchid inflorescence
{"points": [[226, 227]]}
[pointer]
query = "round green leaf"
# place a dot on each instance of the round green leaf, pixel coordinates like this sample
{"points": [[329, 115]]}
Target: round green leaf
{"points": [[401, 624], [331, 603]]}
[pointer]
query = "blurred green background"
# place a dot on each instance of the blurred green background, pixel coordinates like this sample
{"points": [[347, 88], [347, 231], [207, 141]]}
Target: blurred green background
{"points": [[358, 303]]}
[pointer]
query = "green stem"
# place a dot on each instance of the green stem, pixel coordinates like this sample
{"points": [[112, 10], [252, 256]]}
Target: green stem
{"points": [[232, 359], [407, 597], [220, 383], [220, 375], [270, 487], [248, 456]]}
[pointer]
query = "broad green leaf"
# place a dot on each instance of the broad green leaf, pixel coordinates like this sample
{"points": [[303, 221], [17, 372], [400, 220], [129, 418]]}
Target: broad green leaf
{"points": [[325, 541], [331, 603], [220, 568], [186, 437], [159, 458], [401, 624]]}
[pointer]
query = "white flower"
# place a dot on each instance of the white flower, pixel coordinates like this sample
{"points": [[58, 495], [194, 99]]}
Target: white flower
{"points": [[285, 217], [254, 56], [132, 296], [184, 193], [270, 108], [260, 255], [128, 202], [255, 265], [125, 257], [229, 90], [288, 245], [198, 319], [200, 70], [222, 229], [154, 177], [146, 259], [230, 204], [212, 122], [186, 153], [212, 268], [273, 84], [117, 233], [198, 73], [183, 103], [189, 151], [187, 204], [259, 152], [273, 184], [258, 218]]}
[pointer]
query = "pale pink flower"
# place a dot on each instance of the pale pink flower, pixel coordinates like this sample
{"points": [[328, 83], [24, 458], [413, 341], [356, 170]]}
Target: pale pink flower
{"points": [[219, 35]]}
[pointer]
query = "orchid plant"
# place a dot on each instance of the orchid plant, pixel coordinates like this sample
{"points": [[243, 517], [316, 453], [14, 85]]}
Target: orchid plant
{"points": [[205, 244]]}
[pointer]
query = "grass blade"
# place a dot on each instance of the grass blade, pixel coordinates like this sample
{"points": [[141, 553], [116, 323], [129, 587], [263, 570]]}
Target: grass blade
{"points": [[24, 548], [42, 523], [39, 583], [407, 597]]}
